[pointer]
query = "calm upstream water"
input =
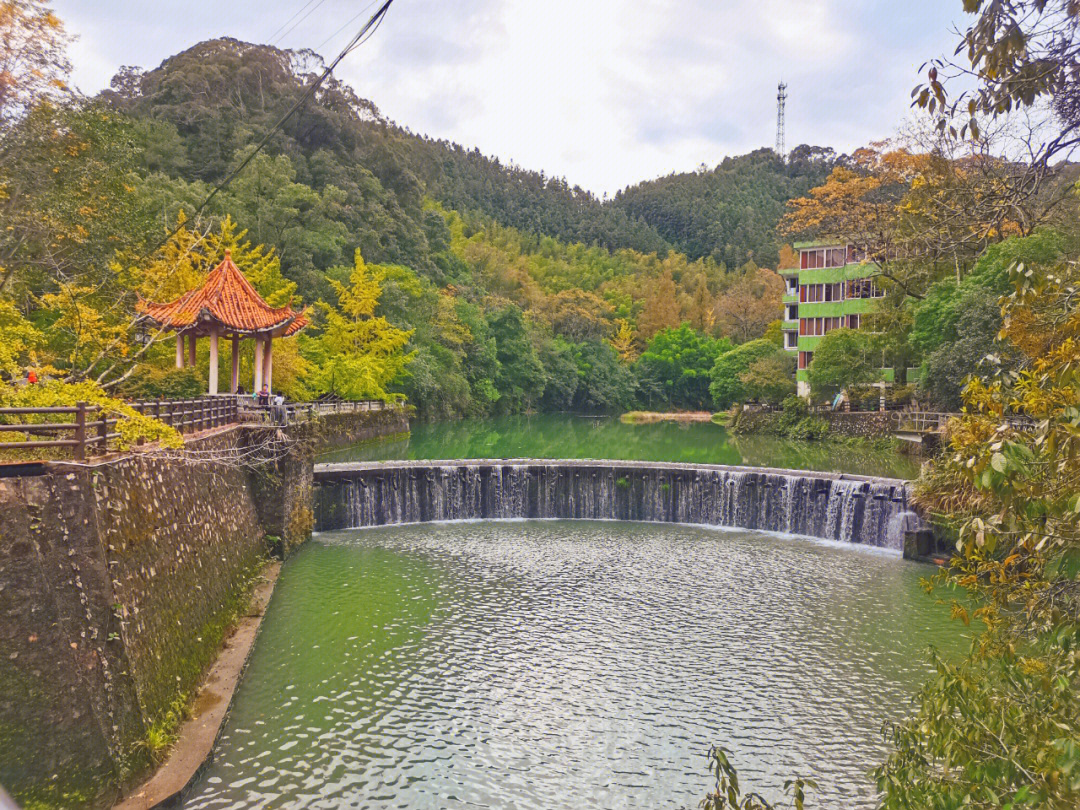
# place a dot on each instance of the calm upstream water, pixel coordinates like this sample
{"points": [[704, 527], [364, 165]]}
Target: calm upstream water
{"points": [[543, 664], [569, 436]]}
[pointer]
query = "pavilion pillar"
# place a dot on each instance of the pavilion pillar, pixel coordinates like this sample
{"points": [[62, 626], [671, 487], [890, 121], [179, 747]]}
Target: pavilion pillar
{"points": [[268, 363], [179, 350], [191, 350], [213, 360], [258, 364], [235, 364]]}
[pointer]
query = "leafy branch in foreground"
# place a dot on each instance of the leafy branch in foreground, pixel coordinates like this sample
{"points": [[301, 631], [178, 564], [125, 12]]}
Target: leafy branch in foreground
{"points": [[1001, 728], [728, 795]]}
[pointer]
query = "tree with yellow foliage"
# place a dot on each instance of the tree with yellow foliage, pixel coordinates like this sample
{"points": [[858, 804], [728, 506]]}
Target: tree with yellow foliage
{"points": [[18, 338], [358, 354], [623, 341], [917, 215], [33, 58], [1001, 727], [661, 309]]}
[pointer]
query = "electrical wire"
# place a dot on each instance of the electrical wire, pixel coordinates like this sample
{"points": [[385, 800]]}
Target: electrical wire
{"points": [[362, 36], [293, 17], [291, 27], [348, 22]]}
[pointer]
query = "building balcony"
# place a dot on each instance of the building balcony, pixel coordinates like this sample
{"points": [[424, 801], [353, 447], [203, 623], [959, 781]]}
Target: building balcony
{"points": [[833, 309], [789, 326], [829, 275]]}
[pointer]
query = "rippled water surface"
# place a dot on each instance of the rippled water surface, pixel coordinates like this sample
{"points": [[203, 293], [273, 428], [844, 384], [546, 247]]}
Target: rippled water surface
{"points": [[570, 665], [562, 435]]}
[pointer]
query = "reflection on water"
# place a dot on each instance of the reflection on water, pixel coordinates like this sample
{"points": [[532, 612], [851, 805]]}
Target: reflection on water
{"points": [[568, 436], [570, 665]]}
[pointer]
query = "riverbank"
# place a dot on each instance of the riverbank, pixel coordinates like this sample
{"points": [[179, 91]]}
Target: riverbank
{"points": [[649, 417], [798, 422], [196, 736]]}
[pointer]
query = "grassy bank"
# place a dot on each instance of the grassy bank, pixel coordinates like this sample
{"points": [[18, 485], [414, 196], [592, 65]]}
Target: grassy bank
{"points": [[649, 417]]}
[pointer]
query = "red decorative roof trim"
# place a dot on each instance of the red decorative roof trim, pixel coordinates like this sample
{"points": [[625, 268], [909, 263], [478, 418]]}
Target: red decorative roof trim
{"points": [[228, 299]]}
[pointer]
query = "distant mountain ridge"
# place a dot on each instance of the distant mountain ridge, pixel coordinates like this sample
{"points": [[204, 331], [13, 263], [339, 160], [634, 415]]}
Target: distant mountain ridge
{"points": [[222, 95]]}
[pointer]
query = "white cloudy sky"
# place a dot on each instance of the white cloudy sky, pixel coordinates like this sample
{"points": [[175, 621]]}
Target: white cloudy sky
{"points": [[602, 92]]}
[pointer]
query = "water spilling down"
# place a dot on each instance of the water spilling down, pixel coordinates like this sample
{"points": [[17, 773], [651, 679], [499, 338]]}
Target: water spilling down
{"points": [[871, 512], [581, 664]]}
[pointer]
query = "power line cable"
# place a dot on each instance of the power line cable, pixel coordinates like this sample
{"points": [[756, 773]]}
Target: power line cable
{"points": [[291, 27], [293, 17], [362, 36], [349, 22]]}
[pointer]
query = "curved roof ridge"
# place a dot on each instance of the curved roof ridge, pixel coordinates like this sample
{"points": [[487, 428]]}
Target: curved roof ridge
{"points": [[226, 296]]}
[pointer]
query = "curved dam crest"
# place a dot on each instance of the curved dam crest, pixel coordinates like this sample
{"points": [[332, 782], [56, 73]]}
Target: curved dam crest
{"points": [[829, 506]]}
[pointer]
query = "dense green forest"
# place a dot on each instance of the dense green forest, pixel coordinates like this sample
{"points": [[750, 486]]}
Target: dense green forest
{"points": [[729, 212]]}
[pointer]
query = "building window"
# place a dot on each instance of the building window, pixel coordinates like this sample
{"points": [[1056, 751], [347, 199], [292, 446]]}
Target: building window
{"points": [[805, 358], [864, 288], [853, 321], [817, 258]]}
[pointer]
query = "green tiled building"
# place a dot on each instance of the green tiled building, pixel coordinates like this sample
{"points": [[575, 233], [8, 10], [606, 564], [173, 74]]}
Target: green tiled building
{"points": [[833, 286]]}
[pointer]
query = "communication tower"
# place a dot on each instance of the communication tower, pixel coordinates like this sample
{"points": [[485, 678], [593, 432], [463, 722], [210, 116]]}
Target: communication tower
{"points": [[781, 101]]}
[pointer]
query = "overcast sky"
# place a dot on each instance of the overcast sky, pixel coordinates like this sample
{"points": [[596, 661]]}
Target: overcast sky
{"points": [[603, 92]]}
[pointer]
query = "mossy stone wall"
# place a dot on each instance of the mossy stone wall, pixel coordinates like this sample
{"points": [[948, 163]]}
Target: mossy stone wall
{"points": [[341, 429], [117, 584], [859, 424]]}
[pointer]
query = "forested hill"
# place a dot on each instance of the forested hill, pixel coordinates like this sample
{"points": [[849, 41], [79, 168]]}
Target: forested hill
{"points": [[729, 212], [202, 107]]}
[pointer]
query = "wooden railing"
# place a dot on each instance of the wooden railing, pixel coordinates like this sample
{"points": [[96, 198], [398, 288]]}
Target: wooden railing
{"points": [[91, 430], [85, 430], [935, 421], [922, 421], [250, 411]]}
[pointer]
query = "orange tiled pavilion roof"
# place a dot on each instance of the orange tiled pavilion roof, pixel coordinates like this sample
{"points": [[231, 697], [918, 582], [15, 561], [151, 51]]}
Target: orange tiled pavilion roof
{"points": [[228, 299]]}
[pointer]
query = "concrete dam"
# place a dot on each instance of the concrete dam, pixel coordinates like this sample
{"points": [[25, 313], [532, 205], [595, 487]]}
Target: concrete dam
{"points": [[846, 508]]}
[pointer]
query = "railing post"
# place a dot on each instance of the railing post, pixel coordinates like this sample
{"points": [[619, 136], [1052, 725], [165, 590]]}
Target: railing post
{"points": [[103, 429], [143, 408], [80, 431]]}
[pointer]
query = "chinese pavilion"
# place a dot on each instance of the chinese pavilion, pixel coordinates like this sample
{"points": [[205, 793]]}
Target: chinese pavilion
{"points": [[225, 306]]}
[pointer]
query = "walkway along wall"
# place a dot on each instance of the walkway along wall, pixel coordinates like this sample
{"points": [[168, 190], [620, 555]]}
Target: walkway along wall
{"points": [[118, 583]]}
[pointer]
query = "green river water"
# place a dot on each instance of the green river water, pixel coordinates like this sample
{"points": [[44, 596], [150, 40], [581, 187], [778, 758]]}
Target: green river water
{"points": [[548, 664], [568, 436]]}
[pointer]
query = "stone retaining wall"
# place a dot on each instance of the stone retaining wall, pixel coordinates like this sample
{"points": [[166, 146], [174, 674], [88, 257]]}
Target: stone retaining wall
{"points": [[861, 424], [118, 582], [342, 429]]}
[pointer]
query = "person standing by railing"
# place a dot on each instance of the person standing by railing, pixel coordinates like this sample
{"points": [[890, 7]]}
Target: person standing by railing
{"points": [[278, 414]]}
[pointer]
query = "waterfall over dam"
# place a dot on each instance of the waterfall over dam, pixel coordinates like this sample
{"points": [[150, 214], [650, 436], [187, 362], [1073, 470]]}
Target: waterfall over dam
{"points": [[847, 508]]}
